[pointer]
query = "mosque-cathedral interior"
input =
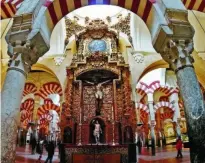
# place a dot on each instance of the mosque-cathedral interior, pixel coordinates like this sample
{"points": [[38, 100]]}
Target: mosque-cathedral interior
{"points": [[114, 81]]}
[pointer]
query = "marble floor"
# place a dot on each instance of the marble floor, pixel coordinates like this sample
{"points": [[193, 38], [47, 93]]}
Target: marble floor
{"points": [[163, 155], [23, 155]]}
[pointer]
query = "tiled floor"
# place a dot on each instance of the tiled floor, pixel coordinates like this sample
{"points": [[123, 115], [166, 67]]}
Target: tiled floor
{"points": [[163, 155]]}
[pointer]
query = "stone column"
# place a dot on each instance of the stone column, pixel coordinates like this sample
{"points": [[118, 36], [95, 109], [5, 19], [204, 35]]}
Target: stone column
{"points": [[177, 54], [23, 55], [152, 120], [175, 44], [174, 100], [11, 99]]}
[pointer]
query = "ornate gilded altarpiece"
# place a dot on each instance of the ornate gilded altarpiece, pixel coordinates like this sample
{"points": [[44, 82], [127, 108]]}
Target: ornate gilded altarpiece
{"points": [[98, 61]]}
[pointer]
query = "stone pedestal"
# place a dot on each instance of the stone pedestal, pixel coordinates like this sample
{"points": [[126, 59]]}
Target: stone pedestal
{"points": [[10, 102], [194, 112]]}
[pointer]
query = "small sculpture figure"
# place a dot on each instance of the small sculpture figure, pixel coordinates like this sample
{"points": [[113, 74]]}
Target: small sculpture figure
{"points": [[97, 131]]}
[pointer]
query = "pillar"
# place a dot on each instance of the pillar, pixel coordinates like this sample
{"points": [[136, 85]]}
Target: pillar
{"points": [[174, 100], [175, 44], [178, 56], [11, 99], [152, 120], [23, 54]]}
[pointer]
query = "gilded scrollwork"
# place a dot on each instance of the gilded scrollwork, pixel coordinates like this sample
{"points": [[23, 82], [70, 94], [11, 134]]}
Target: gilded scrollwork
{"points": [[123, 26], [72, 27]]}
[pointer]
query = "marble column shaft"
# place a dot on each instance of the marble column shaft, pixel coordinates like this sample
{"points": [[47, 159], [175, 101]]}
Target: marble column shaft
{"points": [[10, 106], [178, 54], [174, 99], [152, 119], [194, 112]]}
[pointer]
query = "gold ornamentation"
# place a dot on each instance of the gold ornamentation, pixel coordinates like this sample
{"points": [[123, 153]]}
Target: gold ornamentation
{"points": [[72, 28], [123, 26]]}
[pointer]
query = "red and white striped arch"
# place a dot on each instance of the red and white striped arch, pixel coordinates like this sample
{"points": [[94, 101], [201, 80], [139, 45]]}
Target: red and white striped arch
{"points": [[48, 101], [44, 109], [9, 8], [50, 88], [141, 106], [156, 86], [29, 88], [164, 104], [144, 116], [142, 88], [44, 120], [166, 115], [25, 115], [28, 105], [198, 5], [46, 117], [27, 108], [25, 118], [60, 8]]}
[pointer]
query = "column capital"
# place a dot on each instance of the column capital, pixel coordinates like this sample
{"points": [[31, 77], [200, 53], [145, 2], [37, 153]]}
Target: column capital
{"points": [[175, 41], [19, 42], [178, 54], [22, 53]]}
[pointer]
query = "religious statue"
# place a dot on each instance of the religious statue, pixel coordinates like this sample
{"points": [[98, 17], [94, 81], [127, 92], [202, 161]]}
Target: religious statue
{"points": [[98, 95], [97, 131], [53, 124]]}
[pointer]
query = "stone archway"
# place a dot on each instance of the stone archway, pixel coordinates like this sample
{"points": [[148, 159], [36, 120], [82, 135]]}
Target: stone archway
{"points": [[58, 9]]}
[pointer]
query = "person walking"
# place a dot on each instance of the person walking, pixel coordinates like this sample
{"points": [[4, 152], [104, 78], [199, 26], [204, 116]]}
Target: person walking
{"points": [[179, 144], [33, 145], [50, 149], [39, 149]]}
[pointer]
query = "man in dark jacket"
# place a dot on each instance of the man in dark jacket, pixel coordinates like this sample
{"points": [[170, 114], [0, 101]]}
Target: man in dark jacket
{"points": [[50, 149], [33, 145]]}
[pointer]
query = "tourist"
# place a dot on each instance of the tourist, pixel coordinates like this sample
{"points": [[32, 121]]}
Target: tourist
{"points": [[179, 147], [50, 149], [33, 145], [39, 149]]}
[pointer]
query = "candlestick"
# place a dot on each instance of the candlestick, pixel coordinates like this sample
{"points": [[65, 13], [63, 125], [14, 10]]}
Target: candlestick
{"points": [[112, 113]]}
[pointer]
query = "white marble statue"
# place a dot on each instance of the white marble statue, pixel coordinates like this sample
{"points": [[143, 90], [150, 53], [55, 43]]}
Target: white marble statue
{"points": [[97, 131], [53, 125]]}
